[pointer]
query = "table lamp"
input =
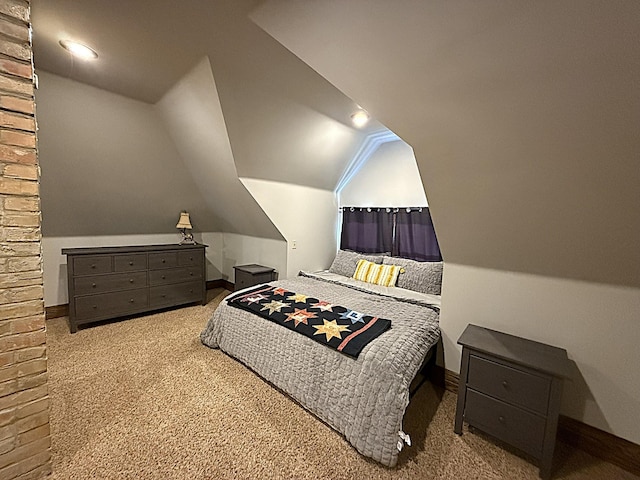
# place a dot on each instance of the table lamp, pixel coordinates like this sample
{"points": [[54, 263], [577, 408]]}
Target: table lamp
{"points": [[184, 224]]}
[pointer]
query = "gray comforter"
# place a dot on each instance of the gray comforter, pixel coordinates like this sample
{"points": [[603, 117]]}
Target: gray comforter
{"points": [[365, 398]]}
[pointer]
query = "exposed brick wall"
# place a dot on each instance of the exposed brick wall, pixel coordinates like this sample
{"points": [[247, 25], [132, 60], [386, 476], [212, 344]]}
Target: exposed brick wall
{"points": [[24, 399]]}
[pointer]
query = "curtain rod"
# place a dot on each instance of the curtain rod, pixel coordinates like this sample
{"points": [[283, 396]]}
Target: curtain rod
{"points": [[388, 209]]}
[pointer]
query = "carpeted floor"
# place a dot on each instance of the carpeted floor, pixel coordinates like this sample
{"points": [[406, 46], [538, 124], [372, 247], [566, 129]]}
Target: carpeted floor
{"points": [[144, 399]]}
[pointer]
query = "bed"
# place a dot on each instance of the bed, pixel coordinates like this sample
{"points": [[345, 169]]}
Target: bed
{"points": [[363, 398]]}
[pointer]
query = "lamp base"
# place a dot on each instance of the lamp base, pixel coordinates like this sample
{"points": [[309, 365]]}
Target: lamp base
{"points": [[187, 239]]}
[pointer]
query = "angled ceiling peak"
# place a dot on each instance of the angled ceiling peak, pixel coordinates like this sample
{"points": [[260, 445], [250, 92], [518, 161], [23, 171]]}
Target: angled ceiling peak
{"points": [[516, 111], [193, 115]]}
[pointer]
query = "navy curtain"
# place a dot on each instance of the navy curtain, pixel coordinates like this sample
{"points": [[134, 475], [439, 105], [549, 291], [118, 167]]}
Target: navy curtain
{"points": [[367, 232], [415, 237]]}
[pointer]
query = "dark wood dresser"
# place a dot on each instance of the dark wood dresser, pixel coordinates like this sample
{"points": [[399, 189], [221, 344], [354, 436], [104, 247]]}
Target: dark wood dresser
{"points": [[250, 275], [510, 387], [111, 282]]}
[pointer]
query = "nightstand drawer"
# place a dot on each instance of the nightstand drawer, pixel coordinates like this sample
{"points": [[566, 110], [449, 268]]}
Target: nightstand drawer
{"points": [[508, 384], [111, 304], [244, 279], [174, 275], [163, 260], [175, 294], [511, 424], [90, 265], [109, 283]]}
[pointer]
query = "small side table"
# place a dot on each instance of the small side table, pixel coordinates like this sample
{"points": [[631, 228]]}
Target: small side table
{"points": [[510, 388], [249, 275]]}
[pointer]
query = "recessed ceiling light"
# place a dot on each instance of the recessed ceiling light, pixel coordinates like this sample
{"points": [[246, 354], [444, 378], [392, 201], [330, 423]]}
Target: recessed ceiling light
{"points": [[79, 50], [360, 118]]}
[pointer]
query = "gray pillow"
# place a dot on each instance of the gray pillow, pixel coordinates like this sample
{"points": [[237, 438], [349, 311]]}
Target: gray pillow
{"points": [[424, 277], [346, 262]]}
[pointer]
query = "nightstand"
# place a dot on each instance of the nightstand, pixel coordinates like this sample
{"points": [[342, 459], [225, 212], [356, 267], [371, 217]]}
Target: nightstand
{"points": [[249, 275], [510, 388]]}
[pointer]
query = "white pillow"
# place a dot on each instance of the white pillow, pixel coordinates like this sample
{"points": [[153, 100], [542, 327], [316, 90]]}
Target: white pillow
{"points": [[425, 277]]}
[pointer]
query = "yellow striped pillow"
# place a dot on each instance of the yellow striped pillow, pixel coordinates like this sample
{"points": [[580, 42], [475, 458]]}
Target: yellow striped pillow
{"points": [[385, 275]]}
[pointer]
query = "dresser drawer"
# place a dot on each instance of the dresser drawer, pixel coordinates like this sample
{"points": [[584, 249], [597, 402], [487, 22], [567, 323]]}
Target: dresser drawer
{"points": [[163, 260], [130, 263], [109, 283], [111, 304], [174, 275], [190, 258], [511, 424], [175, 294], [508, 384], [90, 265]]}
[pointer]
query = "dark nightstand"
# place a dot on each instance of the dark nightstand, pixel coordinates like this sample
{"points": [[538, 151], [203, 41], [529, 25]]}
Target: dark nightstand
{"points": [[249, 275], [510, 388]]}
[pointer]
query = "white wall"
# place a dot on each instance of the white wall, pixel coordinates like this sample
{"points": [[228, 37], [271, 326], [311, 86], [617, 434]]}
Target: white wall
{"points": [[243, 250], [305, 216], [389, 178], [597, 324]]}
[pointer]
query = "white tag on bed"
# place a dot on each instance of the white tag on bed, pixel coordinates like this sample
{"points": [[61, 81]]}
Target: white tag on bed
{"points": [[400, 445], [404, 437]]}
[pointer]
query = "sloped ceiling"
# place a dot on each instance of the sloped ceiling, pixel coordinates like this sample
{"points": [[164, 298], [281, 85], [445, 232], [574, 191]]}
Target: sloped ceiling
{"points": [[285, 122], [259, 112], [523, 117], [109, 166], [192, 113]]}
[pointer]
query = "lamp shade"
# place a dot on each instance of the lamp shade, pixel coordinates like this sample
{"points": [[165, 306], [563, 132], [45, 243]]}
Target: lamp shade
{"points": [[184, 221]]}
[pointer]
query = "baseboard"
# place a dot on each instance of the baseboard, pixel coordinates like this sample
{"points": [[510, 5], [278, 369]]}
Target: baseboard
{"points": [[594, 441], [444, 378], [56, 311], [220, 283], [599, 443]]}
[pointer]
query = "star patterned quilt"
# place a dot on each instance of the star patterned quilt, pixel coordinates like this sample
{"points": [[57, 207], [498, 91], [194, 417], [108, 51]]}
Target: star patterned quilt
{"points": [[335, 326], [362, 398]]}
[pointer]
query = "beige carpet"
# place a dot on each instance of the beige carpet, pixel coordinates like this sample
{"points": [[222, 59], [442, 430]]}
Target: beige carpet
{"points": [[144, 399]]}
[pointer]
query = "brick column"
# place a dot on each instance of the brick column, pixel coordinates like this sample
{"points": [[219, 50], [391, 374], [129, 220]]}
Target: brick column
{"points": [[24, 400]]}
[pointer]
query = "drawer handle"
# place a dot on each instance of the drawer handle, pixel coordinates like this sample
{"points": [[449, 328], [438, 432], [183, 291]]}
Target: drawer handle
{"points": [[191, 291], [131, 280], [95, 306], [191, 273], [131, 301], [163, 277], [164, 261], [93, 285], [93, 265], [191, 259], [501, 419], [130, 263], [505, 384], [163, 295]]}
